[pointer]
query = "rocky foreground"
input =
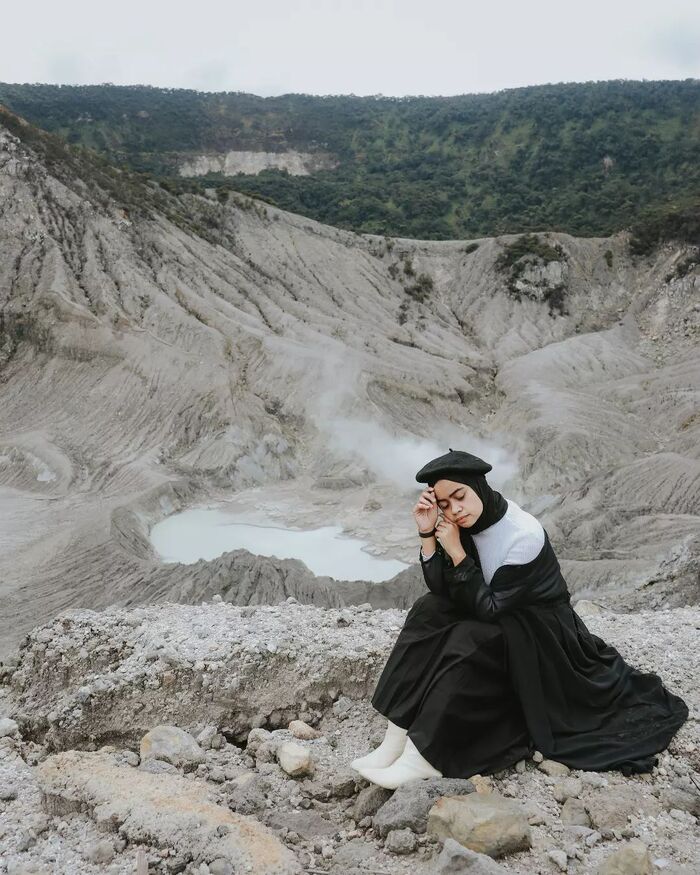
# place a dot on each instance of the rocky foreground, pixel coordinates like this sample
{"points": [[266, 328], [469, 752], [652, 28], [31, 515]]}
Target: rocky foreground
{"points": [[217, 739]]}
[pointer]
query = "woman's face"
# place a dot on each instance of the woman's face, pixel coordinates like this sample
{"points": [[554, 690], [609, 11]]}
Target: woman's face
{"points": [[458, 502]]}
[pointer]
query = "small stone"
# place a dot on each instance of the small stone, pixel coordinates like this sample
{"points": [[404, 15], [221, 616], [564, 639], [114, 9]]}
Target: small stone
{"points": [[130, 757], [100, 852], [267, 751], [559, 858], [482, 783], [400, 841], [8, 727], [611, 807], [554, 769], [536, 818], [562, 790], [369, 801], [574, 812], [677, 798], [302, 730], [256, 737], [343, 785], [593, 779], [631, 859], [172, 745], [295, 759], [7, 793], [220, 866], [537, 757], [342, 707], [586, 608], [26, 841], [455, 859], [206, 736]]}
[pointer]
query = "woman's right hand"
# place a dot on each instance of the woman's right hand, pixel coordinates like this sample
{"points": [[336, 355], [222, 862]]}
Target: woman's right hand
{"points": [[425, 511]]}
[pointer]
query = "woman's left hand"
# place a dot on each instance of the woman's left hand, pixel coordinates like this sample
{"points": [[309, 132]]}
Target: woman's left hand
{"points": [[447, 534]]}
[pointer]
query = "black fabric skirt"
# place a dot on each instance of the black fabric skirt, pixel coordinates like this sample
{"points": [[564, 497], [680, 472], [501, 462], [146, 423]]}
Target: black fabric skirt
{"points": [[476, 696], [446, 681], [584, 705]]}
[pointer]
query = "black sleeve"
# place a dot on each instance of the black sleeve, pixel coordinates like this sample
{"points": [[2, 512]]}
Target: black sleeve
{"points": [[465, 585], [433, 571]]}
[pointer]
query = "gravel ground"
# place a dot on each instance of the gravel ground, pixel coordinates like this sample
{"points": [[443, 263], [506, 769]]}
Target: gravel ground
{"points": [[134, 656]]}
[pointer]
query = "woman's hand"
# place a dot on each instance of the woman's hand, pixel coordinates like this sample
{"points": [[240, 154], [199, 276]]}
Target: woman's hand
{"points": [[448, 535], [425, 511]]}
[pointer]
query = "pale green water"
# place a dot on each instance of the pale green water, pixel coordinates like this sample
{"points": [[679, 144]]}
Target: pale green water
{"points": [[205, 533]]}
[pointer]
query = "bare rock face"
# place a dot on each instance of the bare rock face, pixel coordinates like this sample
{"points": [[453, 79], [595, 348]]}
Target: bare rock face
{"points": [[124, 672], [166, 809], [151, 667], [235, 161]]}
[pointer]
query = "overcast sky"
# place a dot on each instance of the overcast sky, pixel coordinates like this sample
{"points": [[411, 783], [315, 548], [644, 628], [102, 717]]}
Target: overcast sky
{"points": [[392, 47]]}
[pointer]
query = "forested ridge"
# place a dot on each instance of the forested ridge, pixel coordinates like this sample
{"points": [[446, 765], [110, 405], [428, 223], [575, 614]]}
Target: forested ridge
{"points": [[585, 158]]}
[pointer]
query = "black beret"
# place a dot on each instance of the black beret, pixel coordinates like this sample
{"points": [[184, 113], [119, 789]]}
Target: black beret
{"points": [[454, 462]]}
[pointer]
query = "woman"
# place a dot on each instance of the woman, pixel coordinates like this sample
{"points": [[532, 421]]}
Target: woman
{"points": [[493, 663]]}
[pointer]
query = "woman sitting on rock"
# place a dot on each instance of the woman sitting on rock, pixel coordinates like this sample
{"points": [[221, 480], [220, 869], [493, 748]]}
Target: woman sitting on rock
{"points": [[493, 663]]}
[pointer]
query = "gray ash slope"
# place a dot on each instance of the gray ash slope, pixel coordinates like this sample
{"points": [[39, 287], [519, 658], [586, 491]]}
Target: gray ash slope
{"points": [[156, 352]]}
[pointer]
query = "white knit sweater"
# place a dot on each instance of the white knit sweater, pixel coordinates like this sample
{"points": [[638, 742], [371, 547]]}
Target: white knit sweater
{"points": [[515, 539]]}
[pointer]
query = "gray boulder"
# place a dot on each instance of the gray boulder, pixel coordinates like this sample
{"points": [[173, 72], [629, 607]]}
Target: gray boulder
{"points": [[172, 745], [455, 859], [411, 802], [487, 823], [400, 841]]}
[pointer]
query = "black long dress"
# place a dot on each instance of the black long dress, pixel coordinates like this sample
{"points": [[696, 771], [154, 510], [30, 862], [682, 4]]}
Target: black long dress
{"points": [[482, 675]]}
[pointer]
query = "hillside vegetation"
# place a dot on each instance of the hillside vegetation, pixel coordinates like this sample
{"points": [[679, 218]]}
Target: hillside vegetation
{"points": [[588, 159]]}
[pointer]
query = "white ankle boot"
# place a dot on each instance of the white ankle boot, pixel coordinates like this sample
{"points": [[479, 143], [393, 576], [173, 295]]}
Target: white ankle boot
{"points": [[408, 767], [389, 750]]}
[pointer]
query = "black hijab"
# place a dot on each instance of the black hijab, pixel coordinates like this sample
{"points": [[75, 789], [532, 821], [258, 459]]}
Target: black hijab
{"points": [[465, 468]]}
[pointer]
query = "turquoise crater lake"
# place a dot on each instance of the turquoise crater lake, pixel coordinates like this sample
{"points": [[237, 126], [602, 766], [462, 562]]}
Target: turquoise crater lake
{"points": [[206, 533]]}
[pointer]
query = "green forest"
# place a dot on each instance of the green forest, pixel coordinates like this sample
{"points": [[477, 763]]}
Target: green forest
{"points": [[588, 158]]}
